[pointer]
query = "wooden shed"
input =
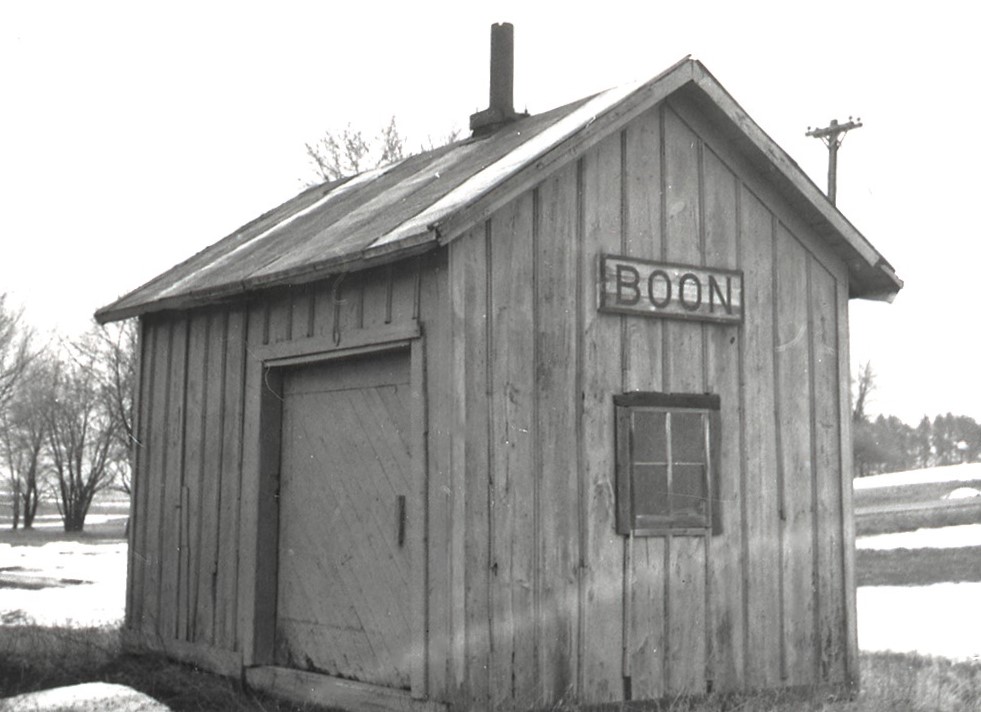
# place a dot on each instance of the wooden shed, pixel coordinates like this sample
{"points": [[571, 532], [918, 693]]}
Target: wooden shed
{"points": [[557, 413]]}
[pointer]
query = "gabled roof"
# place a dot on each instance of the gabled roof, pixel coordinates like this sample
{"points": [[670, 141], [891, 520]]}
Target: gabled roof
{"points": [[426, 200]]}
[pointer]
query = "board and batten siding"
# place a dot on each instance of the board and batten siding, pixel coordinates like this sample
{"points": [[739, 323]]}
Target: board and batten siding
{"points": [[194, 534], [542, 600]]}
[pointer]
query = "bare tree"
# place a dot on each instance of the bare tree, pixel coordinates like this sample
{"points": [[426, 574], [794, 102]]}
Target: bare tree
{"points": [[349, 153], [23, 432], [112, 349], [82, 438], [15, 349], [334, 156], [865, 386]]}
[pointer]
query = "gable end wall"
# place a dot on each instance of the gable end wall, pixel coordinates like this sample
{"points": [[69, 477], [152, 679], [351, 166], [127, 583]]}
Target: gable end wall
{"points": [[546, 602]]}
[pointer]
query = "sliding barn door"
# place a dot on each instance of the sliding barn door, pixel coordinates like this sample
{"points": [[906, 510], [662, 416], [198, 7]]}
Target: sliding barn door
{"points": [[343, 589]]}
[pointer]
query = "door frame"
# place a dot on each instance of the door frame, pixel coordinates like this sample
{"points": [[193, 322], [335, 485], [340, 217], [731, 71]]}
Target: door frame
{"points": [[259, 548]]}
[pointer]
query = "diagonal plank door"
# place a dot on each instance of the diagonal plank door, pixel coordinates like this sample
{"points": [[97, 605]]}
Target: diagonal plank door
{"points": [[343, 589]]}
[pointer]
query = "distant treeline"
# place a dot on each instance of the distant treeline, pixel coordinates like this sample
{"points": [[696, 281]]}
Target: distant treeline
{"points": [[887, 444]]}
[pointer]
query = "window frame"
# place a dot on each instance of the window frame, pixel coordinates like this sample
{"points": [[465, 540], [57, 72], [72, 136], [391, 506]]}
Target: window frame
{"points": [[628, 521]]}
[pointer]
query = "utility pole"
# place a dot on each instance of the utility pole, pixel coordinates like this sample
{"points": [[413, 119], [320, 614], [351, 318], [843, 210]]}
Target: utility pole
{"points": [[833, 135]]}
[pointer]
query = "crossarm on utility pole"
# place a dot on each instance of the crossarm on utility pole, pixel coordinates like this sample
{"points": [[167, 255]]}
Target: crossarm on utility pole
{"points": [[832, 135]]}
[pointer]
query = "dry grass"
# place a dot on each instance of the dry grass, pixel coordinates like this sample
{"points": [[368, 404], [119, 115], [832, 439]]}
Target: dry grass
{"points": [[917, 567], [37, 658]]}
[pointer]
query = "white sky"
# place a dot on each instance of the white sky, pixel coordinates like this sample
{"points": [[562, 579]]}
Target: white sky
{"points": [[134, 134]]}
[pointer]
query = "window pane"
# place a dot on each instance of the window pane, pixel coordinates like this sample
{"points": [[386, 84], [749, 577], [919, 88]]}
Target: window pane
{"points": [[650, 487], [649, 442], [688, 494], [687, 438]]}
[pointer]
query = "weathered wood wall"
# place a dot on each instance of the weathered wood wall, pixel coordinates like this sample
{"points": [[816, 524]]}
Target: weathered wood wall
{"points": [[530, 595], [543, 601], [190, 591]]}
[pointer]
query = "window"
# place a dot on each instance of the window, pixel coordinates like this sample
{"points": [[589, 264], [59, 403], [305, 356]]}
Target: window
{"points": [[667, 455]]}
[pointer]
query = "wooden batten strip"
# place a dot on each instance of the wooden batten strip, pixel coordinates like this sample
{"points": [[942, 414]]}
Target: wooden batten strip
{"points": [[419, 524], [847, 507], [142, 408], [315, 348]]}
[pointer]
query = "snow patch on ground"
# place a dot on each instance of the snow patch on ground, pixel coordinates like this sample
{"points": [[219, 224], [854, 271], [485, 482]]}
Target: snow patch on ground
{"points": [[939, 538], [87, 697], [963, 493], [939, 619], [951, 473], [87, 583]]}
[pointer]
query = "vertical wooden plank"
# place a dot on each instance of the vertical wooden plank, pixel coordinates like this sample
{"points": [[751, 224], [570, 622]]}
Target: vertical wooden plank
{"points": [[792, 385], [279, 320], [232, 467], [512, 495], [725, 575], [418, 524], [143, 408], [252, 527], [172, 516], [156, 477], [603, 591], [302, 311], [406, 283], [206, 571], [376, 283], [828, 563], [434, 313], [194, 451], [476, 464], [641, 365], [682, 243], [760, 525], [557, 429], [459, 661], [685, 668], [847, 508], [324, 305]]}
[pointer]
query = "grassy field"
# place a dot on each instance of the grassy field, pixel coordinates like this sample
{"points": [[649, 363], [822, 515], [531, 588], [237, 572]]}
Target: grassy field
{"points": [[910, 495], [883, 510]]}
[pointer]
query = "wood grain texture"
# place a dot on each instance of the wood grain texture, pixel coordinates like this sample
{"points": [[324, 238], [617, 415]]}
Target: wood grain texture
{"points": [[458, 659], [434, 310], [642, 369], [250, 494], [172, 513], [476, 451], [315, 689], [847, 507], [761, 507], [722, 347], [343, 603], [229, 533], [195, 446], [601, 604], [792, 382], [205, 571], [683, 351], [512, 379], [557, 431], [828, 562]]}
